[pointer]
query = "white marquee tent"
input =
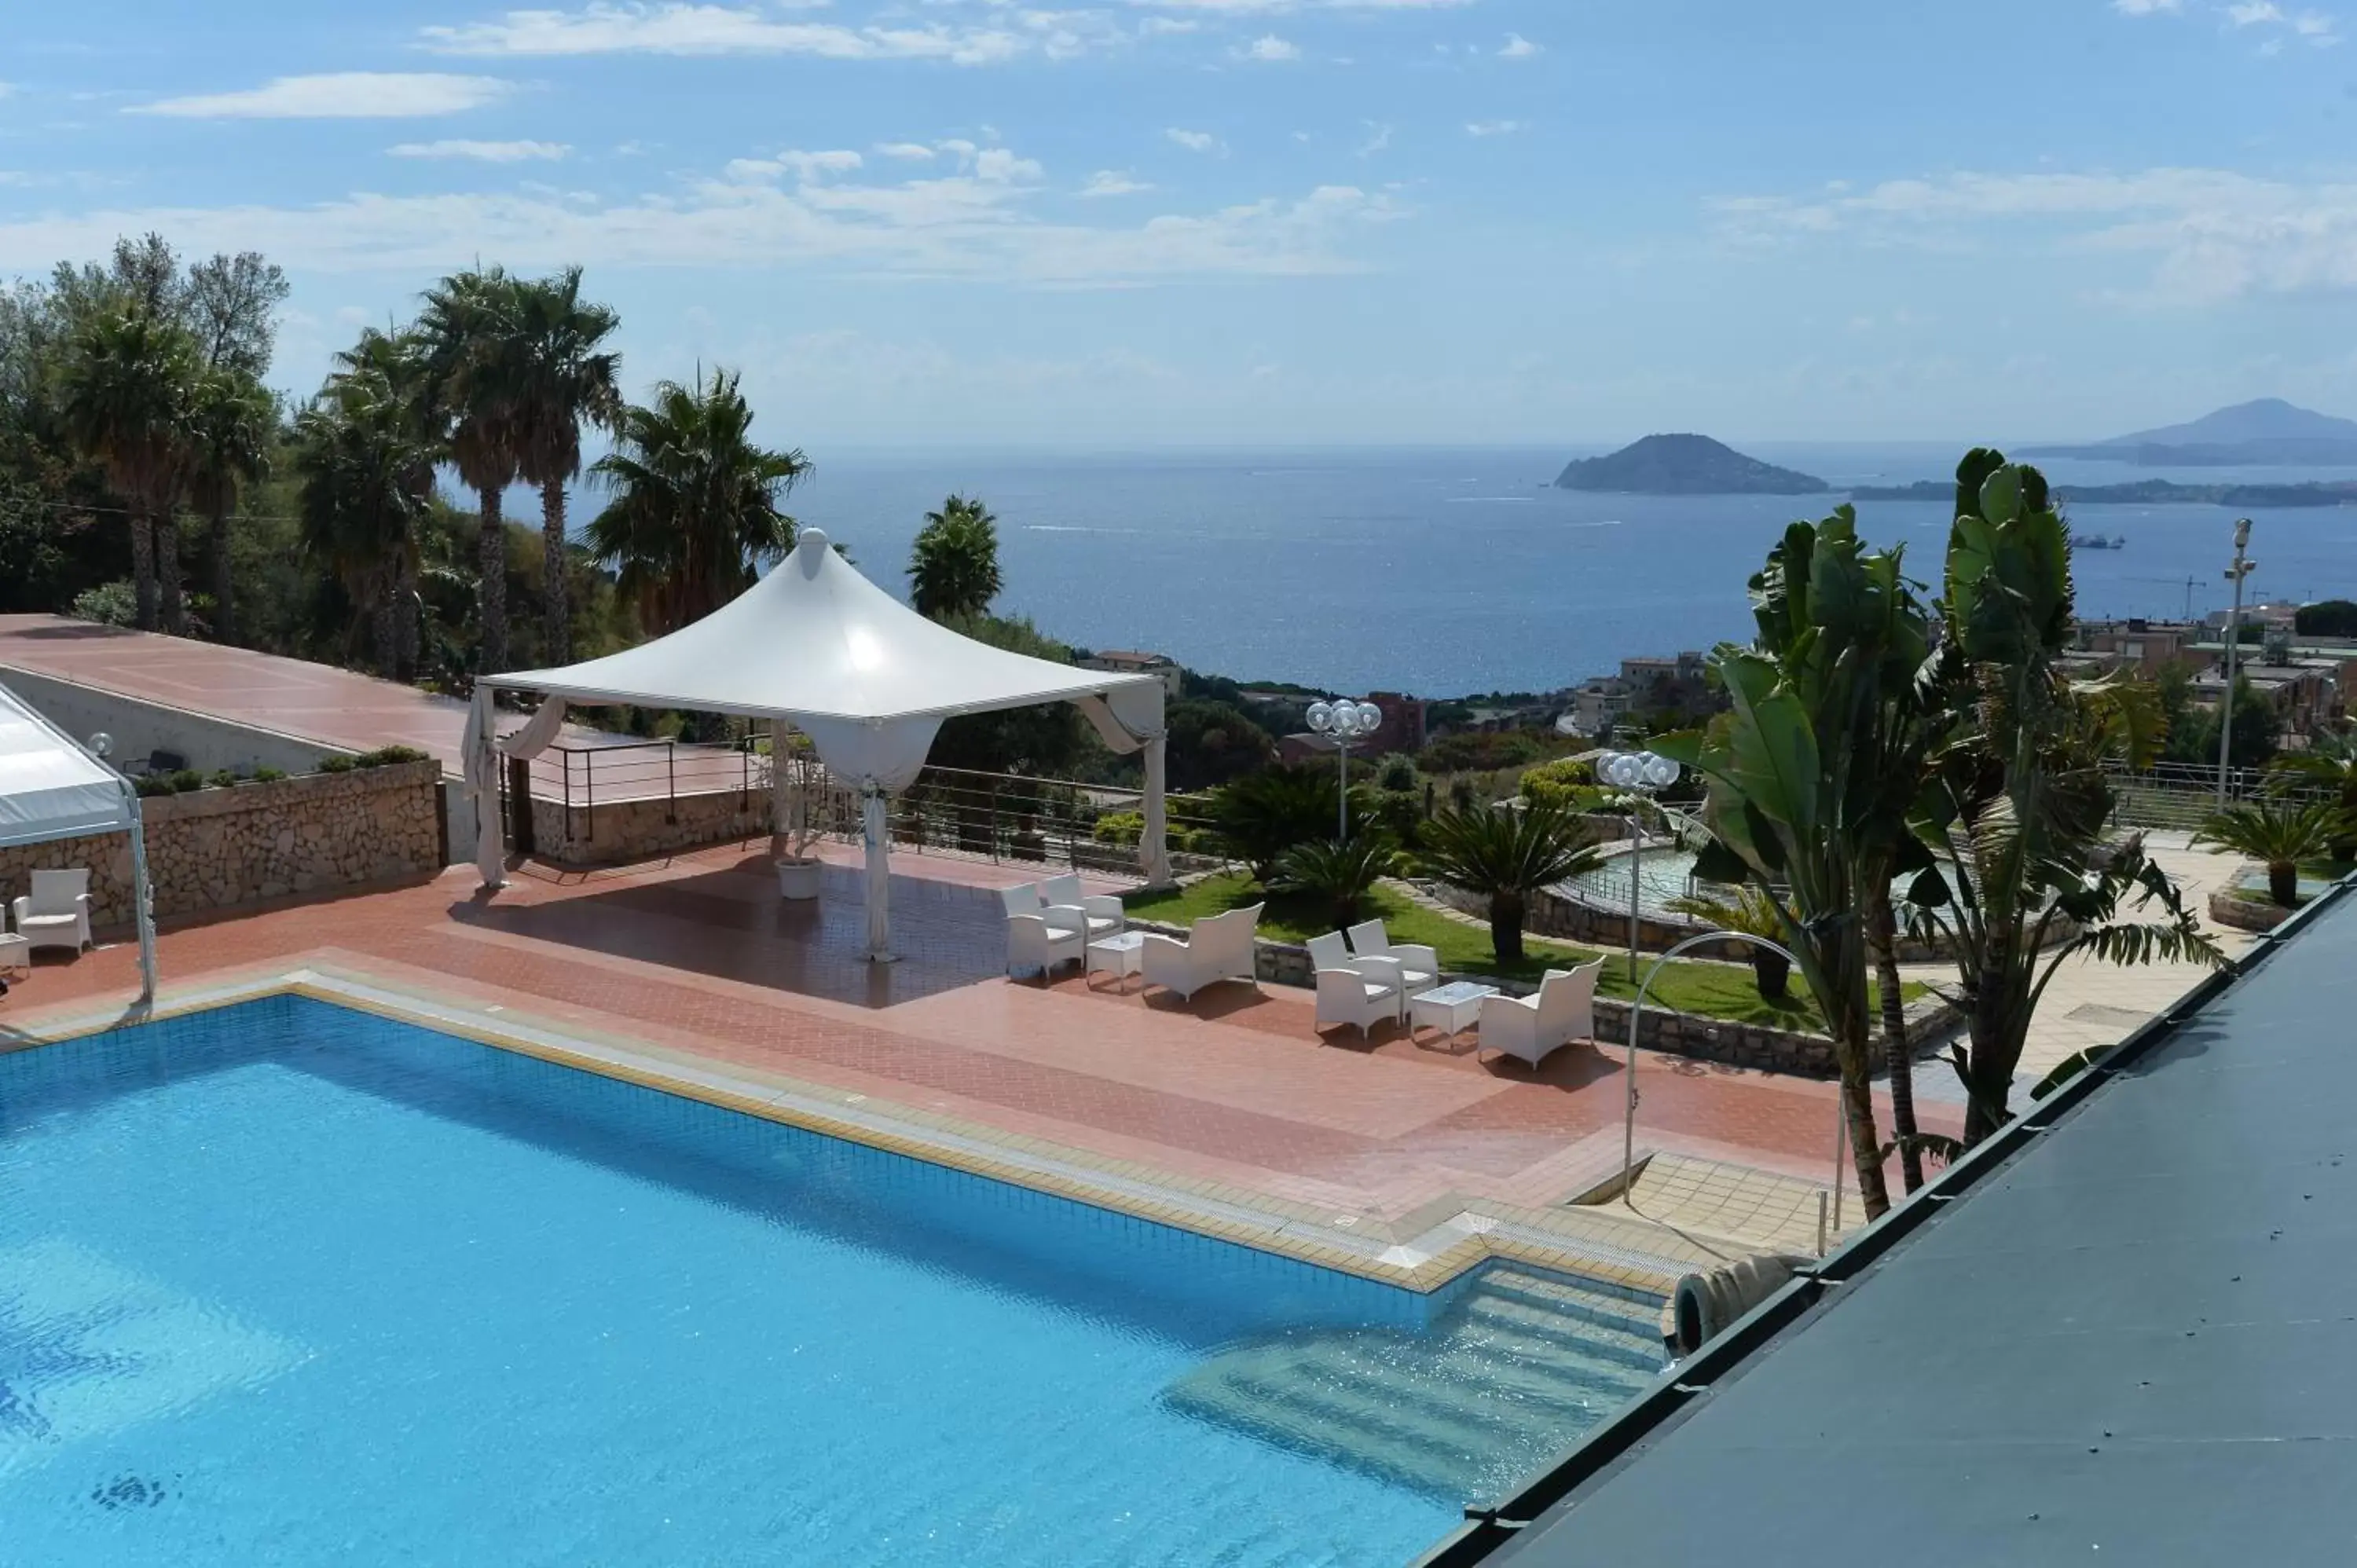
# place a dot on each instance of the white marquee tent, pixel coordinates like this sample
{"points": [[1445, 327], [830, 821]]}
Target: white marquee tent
{"points": [[52, 788], [817, 646]]}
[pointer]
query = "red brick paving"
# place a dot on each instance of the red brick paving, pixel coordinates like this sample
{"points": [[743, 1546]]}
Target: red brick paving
{"points": [[697, 954]]}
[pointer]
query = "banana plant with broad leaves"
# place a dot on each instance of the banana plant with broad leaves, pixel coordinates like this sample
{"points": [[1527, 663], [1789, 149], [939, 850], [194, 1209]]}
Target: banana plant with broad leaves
{"points": [[1809, 776], [2015, 805]]}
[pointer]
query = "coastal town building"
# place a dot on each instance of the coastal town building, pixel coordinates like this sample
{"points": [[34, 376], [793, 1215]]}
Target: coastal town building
{"points": [[2137, 645], [1403, 730], [1128, 661]]}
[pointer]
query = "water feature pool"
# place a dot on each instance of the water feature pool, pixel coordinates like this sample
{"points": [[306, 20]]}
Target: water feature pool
{"points": [[289, 1283], [1664, 873]]}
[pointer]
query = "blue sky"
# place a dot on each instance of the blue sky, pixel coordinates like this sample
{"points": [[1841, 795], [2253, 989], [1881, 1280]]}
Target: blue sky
{"points": [[1131, 222]]}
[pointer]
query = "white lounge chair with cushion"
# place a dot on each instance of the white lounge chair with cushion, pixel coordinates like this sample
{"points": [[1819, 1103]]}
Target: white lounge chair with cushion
{"points": [[1419, 965], [1021, 900], [1032, 943], [1532, 1027], [1097, 915], [1349, 993], [1218, 947], [55, 913]]}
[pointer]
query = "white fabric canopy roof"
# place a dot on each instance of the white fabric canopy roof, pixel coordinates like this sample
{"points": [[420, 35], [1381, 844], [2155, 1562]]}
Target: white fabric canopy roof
{"points": [[866, 676], [52, 788]]}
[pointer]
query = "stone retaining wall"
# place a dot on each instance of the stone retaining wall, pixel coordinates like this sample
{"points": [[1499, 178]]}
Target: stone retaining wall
{"points": [[218, 849], [616, 831]]}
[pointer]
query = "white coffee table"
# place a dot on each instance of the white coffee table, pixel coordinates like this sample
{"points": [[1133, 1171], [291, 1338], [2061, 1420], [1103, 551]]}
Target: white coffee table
{"points": [[1117, 954], [16, 954], [1452, 1009]]}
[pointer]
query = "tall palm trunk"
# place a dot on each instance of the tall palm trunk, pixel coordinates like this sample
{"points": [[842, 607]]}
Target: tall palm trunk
{"points": [[224, 610], [142, 569], [492, 600], [1882, 933], [404, 618], [1990, 1085], [385, 625], [551, 532], [1506, 914], [170, 610], [1845, 1015]]}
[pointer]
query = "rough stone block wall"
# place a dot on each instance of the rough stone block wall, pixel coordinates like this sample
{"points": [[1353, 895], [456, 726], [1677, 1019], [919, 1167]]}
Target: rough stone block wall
{"points": [[218, 849], [621, 830]]}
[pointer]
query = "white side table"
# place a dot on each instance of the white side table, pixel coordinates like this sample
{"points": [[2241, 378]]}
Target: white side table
{"points": [[1452, 1009], [16, 954], [1116, 955]]}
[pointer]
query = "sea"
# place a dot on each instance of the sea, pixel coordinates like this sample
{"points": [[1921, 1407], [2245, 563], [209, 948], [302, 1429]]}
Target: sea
{"points": [[1451, 572]]}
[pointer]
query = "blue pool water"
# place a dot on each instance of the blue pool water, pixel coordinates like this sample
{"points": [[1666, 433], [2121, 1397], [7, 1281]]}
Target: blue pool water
{"points": [[286, 1282]]}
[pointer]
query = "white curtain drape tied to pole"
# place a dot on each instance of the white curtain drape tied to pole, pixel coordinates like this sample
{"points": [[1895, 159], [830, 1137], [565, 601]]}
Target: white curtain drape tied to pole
{"points": [[1128, 720], [482, 747]]}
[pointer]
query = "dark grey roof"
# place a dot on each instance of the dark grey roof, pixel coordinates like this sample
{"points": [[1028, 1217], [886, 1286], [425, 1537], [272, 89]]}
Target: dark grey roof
{"points": [[2131, 1339]]}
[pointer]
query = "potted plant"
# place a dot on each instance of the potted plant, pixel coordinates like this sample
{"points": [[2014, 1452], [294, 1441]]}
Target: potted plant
{"points": [[799, 873]]}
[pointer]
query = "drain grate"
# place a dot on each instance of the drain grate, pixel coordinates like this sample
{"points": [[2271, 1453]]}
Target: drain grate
{"points": [[129, 1492]]}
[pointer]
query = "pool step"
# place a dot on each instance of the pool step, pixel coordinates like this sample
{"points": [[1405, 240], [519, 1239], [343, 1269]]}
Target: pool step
{"points": [[1517, 1366]]}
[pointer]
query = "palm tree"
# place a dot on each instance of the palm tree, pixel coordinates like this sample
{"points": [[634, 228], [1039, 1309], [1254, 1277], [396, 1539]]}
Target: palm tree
{"points": [[1338, 873], [1748, 911], [1505, 856], [471, 338], [127, 383], [695, 508], [954, 567], [362, 505], [2330, 761], [2281, 833], [232, 421], [1262, 815], [2016, 804], [1802, 779], [564, 381]]}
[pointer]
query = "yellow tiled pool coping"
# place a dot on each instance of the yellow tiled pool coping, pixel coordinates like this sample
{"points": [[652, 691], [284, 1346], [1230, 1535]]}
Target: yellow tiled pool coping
{"points": [[1422, 1250]]}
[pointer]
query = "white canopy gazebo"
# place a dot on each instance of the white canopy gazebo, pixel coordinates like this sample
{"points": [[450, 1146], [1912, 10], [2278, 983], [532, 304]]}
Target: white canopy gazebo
{"points": [[817, 646], [53, 788]]}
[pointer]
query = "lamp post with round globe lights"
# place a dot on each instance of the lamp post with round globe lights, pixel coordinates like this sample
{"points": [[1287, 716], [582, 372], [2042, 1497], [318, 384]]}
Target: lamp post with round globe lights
{"points": [[1345, 721], [1642, 774]]}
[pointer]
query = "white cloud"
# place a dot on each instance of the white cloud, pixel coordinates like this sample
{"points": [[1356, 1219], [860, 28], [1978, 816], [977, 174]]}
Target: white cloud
{"points": [[2210, 235], [2147, 7], [1379, 138], [1496, 127], [1000, 167], [913, 151], [340, 95], [485, 152], [963, 225], [1114, 182], [1269, 48], [680, 28], [1517, 47], [805, 166], [1195, 141], [2314, 26]]}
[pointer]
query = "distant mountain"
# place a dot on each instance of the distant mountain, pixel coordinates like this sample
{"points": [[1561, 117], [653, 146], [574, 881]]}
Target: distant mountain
{"points": [[1685, 465], [2141, 492], [2269, 432]]}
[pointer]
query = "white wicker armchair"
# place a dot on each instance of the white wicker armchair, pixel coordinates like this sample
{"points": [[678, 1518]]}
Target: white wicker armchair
{"points": [[1218, 947], [1531, 1027], [55, 913]]}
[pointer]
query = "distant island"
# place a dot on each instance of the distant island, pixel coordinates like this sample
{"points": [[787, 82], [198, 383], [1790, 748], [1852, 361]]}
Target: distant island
{"points": [[2269, 432], [1685, 465], [2143, 493]]}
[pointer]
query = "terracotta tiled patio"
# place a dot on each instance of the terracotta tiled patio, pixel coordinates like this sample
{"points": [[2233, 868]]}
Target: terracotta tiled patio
{"points": [[697, 958]]}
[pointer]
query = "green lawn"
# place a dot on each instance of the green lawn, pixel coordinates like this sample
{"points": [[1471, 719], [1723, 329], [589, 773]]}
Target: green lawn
{"points": [[1714, 990]]}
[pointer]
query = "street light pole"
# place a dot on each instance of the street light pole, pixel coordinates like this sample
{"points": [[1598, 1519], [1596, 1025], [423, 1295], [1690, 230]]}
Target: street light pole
{"points": [[1345, 721], [2242, 567], [1642, 775]]}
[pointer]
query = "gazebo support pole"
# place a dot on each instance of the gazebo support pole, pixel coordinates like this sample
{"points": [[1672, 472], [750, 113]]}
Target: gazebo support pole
{"points": [[873, 806], [1154, 846], [143, 899]]}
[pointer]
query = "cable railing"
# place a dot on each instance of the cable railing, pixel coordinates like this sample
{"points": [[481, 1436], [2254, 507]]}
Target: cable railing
{"points": [[948, 811], [2180, 794]]}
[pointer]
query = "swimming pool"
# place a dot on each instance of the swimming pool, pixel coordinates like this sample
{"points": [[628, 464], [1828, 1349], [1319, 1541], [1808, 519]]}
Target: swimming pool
{"points": [[290, 1283]]}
